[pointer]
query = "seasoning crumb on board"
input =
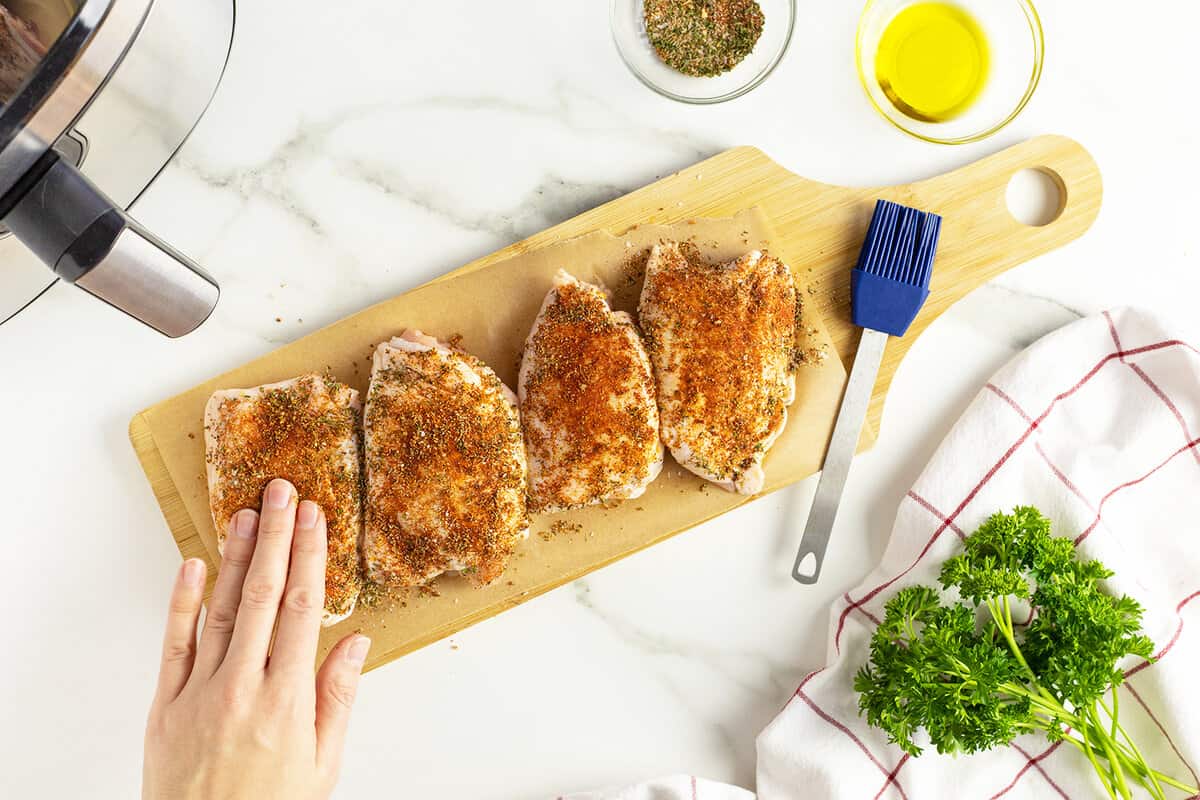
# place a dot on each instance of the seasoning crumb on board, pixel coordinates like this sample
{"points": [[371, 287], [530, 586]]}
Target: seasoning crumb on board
{"points": [[191, 436], [370, 593], [557, 528], [279, 319]]}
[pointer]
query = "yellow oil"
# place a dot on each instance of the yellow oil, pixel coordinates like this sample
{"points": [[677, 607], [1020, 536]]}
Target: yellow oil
{"points": [[932, 61]]}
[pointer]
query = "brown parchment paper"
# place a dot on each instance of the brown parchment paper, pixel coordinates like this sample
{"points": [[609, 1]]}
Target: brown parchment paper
{"points": [[492, 310]]}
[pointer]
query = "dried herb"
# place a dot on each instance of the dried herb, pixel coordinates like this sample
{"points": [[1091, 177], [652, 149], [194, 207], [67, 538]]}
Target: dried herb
{"points": [[703, 38]]}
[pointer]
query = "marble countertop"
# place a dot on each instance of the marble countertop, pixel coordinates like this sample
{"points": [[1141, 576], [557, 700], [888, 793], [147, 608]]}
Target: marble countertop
{"points": [[357, 149]]}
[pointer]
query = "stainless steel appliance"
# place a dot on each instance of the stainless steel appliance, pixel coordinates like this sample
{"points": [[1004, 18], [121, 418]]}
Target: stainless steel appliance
{"points": [[95, 98]]}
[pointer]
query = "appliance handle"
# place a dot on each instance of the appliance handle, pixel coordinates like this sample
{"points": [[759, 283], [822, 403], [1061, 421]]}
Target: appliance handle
{"points": [[87, 240]]}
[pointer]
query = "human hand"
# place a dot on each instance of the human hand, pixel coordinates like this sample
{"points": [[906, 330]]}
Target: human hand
{"points": [[227, 721]]}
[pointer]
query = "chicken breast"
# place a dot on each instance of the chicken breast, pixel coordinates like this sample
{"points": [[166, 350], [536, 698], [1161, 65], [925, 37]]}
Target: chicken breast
{"points": [[305, 430], [587, 402], [721, 339], [446, 473]]}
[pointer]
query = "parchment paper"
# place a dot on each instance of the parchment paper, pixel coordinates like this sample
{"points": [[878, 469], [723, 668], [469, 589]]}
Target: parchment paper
{"points": [[492, 310]]}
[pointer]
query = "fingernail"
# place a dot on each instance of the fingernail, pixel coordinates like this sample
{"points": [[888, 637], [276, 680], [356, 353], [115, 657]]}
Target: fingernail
{"points": [[246, 524], [356, 653], [279, 494], [193, 572], [306, 516]]}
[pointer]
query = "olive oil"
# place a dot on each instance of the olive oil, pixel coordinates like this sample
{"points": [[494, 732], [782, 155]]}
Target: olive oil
{"points": [[932, 61]]}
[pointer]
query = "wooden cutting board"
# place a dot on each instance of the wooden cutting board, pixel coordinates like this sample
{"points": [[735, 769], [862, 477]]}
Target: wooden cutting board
{"points": [[818, 229]]}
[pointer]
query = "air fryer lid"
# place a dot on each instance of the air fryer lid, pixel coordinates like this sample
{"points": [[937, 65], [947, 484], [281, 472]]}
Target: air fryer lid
{"points": [[47, 79]]}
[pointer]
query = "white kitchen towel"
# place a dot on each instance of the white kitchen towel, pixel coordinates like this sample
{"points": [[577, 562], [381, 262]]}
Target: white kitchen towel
{"points": [[1097, 425]]}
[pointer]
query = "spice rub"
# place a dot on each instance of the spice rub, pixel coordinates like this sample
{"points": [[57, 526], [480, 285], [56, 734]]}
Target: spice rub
{"points": [[721, 338], [703, 38], [446, 473], [306, 431], [587, 402]]}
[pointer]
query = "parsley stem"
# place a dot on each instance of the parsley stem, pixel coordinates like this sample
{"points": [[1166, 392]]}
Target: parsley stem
{"points": [[1002, 616], [1104, 777], [1137, 753], [1135, 766], [1116, 707], [1106, 744]]}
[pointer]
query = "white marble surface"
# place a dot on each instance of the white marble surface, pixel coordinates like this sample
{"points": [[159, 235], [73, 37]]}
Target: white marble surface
{"points": [[359, 148]]}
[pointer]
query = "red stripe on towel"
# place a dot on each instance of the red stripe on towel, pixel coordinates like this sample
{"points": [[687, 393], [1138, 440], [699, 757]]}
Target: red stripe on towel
{"points": [[1162, 729], [1030, 762], [1036, 765], [820, 713], [1088, 531], [1154, 387], [928, 506], [891, 778], [1178, 630]]}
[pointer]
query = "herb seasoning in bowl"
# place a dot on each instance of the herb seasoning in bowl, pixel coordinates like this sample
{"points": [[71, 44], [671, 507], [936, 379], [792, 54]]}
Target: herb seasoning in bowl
{"points": [[703, 38], [702, 51]]}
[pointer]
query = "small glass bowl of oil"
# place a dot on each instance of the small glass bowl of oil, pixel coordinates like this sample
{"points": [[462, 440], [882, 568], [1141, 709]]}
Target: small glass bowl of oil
{"points": [[949, 71]]}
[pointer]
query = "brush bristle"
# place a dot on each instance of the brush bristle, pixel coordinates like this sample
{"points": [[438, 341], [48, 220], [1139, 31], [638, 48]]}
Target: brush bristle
{"points": [[900, 244]]}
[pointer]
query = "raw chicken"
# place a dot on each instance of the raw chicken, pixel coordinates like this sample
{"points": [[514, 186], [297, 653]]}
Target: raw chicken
{"points": [[445, 465], [305, 430], [587, 402], [721, 339]]}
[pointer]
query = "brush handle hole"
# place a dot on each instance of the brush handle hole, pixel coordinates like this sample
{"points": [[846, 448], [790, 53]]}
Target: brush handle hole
{"points": [[808, 568], [1036, 196]]}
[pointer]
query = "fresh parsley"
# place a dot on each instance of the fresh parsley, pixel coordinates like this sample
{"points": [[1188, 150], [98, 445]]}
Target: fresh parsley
{"points": [[973, 679]]}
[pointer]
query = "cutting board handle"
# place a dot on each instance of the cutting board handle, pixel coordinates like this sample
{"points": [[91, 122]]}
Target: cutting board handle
{"points": [[980, 236]]}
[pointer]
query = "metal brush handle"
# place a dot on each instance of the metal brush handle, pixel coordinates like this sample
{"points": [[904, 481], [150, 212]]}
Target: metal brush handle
{"points": [[842, 446]]}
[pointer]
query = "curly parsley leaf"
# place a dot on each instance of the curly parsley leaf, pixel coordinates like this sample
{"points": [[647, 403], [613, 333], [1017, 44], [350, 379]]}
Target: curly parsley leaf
{"points": [[970, 686]]}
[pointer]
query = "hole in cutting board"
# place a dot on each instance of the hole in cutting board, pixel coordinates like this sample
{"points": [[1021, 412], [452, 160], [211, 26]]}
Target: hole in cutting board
{"points": [[1036, 197]]}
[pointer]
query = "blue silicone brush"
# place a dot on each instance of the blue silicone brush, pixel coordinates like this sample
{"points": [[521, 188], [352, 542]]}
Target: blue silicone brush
{"points": [[889, 285]]}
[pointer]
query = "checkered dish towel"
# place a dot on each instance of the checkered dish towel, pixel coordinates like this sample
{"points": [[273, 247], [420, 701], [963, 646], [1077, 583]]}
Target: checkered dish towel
{"points": [[1097, 425]]}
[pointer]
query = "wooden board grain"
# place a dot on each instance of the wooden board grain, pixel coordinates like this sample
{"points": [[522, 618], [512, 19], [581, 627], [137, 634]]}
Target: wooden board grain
{"points": [[818, 230]]}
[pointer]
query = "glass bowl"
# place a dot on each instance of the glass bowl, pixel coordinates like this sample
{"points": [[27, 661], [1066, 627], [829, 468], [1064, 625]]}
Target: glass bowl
{"points": [[629, 34], [1016, 47]]}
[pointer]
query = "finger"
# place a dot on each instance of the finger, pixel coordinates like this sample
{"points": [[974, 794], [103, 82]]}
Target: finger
{"points": [[304, 595], [337, 684], [179, 640], [227, 593], [263, 587]]}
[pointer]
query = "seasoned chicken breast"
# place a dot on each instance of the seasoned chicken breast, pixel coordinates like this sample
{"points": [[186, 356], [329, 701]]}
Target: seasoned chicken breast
{"points": [[305, 430], [721, 339], [445, 465], [587, 402]]}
